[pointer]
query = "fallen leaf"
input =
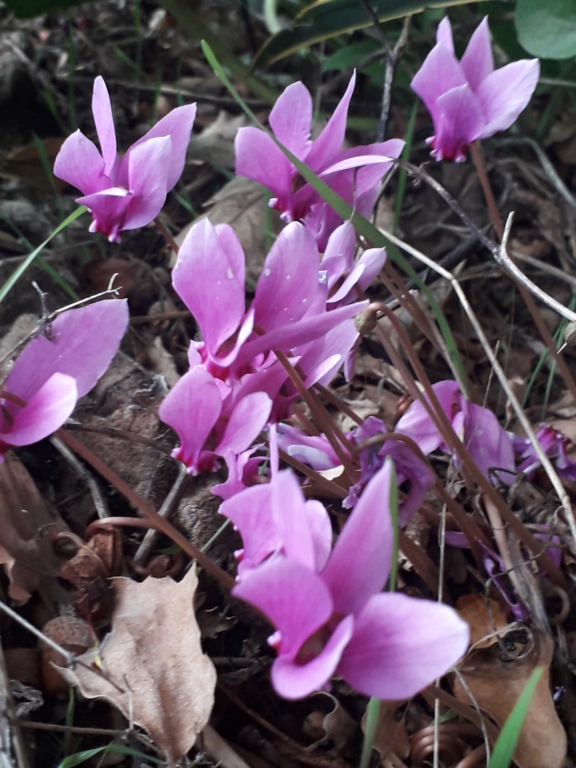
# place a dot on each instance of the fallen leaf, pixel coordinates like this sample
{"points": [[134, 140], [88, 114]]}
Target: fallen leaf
{"points": [[496, 676], [28, 527], [154, 670], [390, 735], [484, 617]]}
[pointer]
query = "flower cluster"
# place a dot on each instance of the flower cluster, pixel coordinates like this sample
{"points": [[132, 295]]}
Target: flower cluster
{"points": [[469, 99], [236, 382], [326, 603], [355, 174]]}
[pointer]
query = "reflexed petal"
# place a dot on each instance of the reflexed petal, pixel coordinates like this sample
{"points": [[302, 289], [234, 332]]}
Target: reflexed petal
{"points": [[249, 416], [417, 424], [400, 645], [295, 599], [258, 158], [328, 146], [289, 287], [178, 126], [79, 163], [82, 344], [360, 561], [148, 170], [251, 512], [505, 93], [372, 260], [440, 73], [192, 408], [102, 111], [291, 119], [302, 332], [478, 61], [341, 247], [294, 681], [209, 277], [444, 35], [459, 122], [44, 413]]}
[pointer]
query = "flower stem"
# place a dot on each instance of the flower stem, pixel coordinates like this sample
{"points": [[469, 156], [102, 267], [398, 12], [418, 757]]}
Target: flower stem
{"points": [[166, 235], [372, 717]]}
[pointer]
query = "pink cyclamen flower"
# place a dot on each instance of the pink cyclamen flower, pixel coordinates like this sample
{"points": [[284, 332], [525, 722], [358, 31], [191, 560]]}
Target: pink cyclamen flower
{"points": [[487, 442], [128, 192], [355, 174], [469, 99], [554, 444], [58, 368], [326, 603]]}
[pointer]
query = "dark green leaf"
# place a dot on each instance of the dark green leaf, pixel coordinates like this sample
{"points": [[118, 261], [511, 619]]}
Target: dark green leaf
{"points": [[27, 8], [328, 18], [547, 29]]}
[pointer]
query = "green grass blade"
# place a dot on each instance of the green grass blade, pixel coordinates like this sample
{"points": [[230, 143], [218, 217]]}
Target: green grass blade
{"points": [[19, 271], [510, 733], [81, 757], [362, 225]]}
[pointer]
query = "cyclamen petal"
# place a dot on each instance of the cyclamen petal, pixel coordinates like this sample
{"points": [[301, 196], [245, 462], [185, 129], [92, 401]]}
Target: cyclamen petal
{"points": [[400, 645], [259, 158], [137, 184], [469, 100], [56, 369]]}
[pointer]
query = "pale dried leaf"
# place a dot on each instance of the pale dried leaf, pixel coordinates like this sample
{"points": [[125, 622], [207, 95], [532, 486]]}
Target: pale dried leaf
{"points": [[496, 677], [154, 668], [484, 617], [28, 526]]}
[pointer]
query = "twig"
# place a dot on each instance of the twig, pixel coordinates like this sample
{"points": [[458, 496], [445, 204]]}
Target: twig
{"points": [[97, 497]]}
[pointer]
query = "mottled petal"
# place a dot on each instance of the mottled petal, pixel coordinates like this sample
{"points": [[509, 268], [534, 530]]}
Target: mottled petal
{"points": [[400, 645], [178, 126], [505, 93], [289, 287], [45, 411], [147, 177], [82, 343], [192, 408], [328, 146], [478, 61], [291, 119], [102, 111], [258, 158], [417, 424], [360, 561], [292, 680], [295, 599], [209, 277], [79, 163]]}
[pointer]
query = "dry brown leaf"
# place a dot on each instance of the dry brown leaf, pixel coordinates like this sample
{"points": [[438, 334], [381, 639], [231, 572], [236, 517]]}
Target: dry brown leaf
{"points": [[496, 677], [484, 617], [154, 668], [28, 526]]}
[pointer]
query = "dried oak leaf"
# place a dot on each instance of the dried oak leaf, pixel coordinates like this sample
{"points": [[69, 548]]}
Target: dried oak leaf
{"points": [[28, 527], [496, 676], [154, 668]]}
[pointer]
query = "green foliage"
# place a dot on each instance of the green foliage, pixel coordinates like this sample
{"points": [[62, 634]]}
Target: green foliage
{"points": [[324, 19], [510, 733], [547, 29], [28, 8], [88, 754]]}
